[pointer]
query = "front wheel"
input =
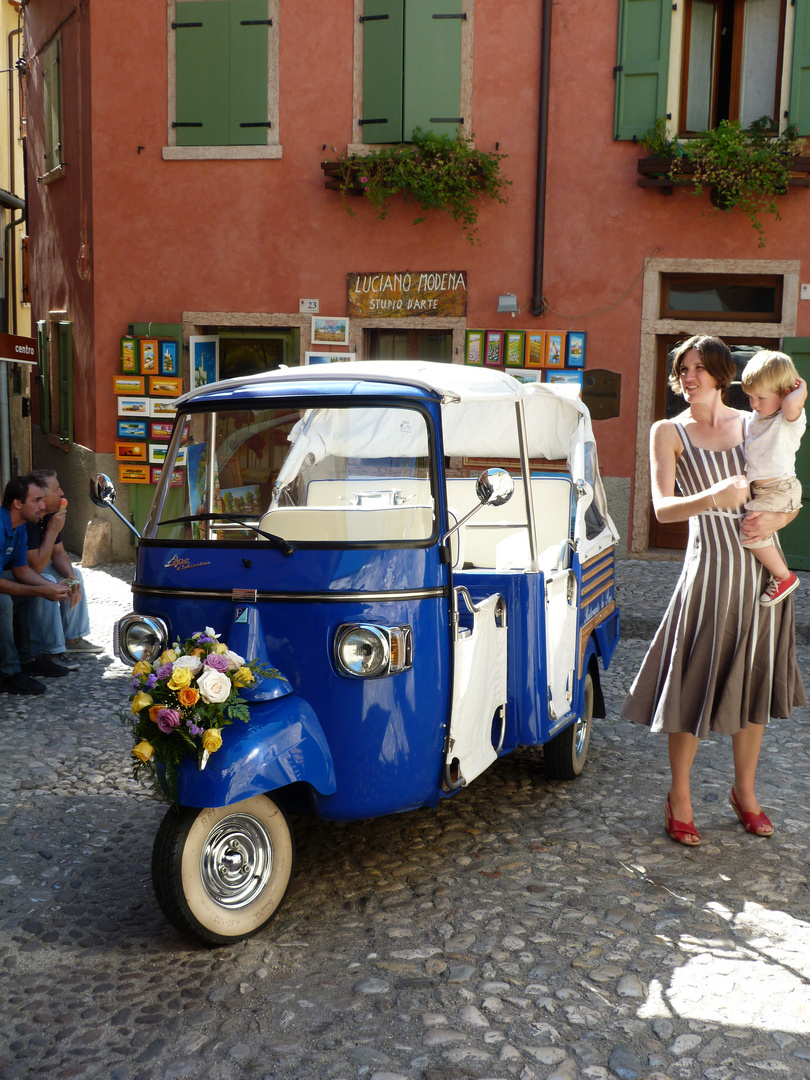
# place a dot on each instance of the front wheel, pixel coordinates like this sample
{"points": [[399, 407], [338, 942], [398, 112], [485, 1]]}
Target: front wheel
{"points": [[220, 874], [565, 754]]}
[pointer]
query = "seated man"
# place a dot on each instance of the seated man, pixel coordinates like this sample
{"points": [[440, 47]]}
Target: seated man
{"points": [[23, 501], [58, 630]]}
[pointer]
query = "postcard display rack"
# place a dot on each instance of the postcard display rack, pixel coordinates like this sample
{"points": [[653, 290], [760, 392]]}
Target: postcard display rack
{"points": [[146, 390], [556, 356]]}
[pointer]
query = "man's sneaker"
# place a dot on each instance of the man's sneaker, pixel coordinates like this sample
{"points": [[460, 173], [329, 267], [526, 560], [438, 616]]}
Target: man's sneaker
{"points": [[21, 684], [62, 659], [45, 667], [81, 646], [778, 590]]}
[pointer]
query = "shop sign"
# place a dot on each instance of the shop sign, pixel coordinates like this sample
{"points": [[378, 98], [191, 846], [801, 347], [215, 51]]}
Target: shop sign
{"points": [[18, 350], [407, 293]]}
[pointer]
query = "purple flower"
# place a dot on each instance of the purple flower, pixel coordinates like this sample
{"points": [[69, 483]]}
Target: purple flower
{"points": [[217, 662], [136, 682], [167, 720], [151, 681], [164, 672]]}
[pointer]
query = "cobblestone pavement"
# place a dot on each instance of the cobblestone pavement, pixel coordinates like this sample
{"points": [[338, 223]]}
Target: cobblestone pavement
{"points": [[526, 929]]}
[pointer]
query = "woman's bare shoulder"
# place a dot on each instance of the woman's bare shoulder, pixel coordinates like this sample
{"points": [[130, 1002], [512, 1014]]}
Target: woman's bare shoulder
{"points": [[665, 433]]}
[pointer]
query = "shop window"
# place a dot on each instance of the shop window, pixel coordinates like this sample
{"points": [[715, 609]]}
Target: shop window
{"points": [[732, 298], [223, 64], [736, 59], [52, 105], [413, 58]]}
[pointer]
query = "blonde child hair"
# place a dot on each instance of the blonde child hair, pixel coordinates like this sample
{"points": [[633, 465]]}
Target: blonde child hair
{"points": [[772, 370]]}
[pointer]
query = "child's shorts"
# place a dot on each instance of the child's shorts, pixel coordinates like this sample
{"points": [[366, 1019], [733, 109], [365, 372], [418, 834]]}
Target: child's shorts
{"points": [[778, 496]]}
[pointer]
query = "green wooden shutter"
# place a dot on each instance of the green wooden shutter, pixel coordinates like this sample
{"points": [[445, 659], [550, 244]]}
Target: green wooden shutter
{"points": [[383, 31], [52, 105], [249, 120], [203, 76], [432, 67], [66, 382], [43, 377], [799, 108], [795, 539], [642, 67]]}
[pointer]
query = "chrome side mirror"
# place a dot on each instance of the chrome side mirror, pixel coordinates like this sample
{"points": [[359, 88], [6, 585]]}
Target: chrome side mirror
{"points": [[102, 493], [494, 487]]}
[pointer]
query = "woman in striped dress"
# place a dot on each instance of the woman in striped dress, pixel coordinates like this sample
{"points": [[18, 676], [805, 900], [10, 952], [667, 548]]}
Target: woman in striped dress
{"points": [[719, 660]]}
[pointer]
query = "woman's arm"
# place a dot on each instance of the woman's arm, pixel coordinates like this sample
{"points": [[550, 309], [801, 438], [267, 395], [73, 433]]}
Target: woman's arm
{"points": [[759, 526], [665, 448]]}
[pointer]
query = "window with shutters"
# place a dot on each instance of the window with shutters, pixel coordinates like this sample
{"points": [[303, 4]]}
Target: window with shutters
{"points": [[413, 69], [55, 378], [52, 165], [223, 79], [702, 61]]}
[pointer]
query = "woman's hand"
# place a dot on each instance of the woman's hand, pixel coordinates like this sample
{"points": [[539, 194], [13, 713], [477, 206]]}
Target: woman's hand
{"points": [[759, 526], [730, 494]]}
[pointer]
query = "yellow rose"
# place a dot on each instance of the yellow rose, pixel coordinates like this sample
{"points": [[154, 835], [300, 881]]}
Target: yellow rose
{"points": [[211, 740], [142, 668], [143, 751], [181, 677], [188, 697], [168, 656], [141, 701], [221, 648], [242, 677]]}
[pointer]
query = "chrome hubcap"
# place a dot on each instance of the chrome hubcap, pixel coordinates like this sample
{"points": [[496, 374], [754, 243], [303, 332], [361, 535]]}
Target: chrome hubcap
{"points": [[236, 861]]}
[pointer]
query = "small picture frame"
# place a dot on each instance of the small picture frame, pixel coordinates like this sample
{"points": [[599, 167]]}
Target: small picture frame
{"points": [[527, 375], [176, 480], [474, 348], [575, 349], [535, 355], [555, 349], [329, 330], [157, 453], [130, 451], [133, 406], [160, 430], [204, 354], [493, 349], [130, 356], [133, 474], [149, 356], [314, 357], [161, 407], [128, 384], [132, 429], [168, 357], [513, 348], [564, 376], [165, 386]]}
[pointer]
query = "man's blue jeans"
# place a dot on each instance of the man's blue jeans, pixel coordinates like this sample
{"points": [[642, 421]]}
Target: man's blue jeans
{"points": [[53, 623], [16, 646]]}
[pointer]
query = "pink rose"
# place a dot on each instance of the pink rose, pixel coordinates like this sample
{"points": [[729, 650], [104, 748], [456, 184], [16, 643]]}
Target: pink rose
{"points": [[167, 720]]}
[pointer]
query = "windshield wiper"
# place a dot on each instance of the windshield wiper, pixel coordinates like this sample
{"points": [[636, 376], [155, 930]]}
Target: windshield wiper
{"points": [[279, 541]]}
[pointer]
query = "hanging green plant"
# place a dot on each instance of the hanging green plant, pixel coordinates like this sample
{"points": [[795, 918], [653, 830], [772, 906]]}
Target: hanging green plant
{"points": [[747, 168], [435, 171]]}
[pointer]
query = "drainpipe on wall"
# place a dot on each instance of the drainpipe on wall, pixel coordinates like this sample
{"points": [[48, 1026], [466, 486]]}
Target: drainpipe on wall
{"points": [[537, 304]]}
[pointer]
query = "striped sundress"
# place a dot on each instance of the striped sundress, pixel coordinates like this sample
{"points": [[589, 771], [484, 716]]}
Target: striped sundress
{"points": [[719, 661]]}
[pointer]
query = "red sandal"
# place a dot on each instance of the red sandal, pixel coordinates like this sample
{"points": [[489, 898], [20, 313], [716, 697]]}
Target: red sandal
{"points": [[757, 824], [679, 830]]}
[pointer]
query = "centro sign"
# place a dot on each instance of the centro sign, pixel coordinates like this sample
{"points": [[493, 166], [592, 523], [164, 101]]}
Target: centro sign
{"points": [[403, 294], [18, 350]]}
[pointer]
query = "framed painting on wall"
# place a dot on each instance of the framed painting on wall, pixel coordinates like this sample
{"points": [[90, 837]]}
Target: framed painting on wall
{"points": [[555, 349], [513, 348], [535, 354], [132, 429], [329, 330], [165, 386], [493, 352], [575, 349], [133, 406], [149, 356], [474, 347], [130, 451], [130, 357], [204, 353], [169, 363], [128, 384], [160, 430], [527, 375], [133, 474], [161, 407], [327, 357], [565, 377]]}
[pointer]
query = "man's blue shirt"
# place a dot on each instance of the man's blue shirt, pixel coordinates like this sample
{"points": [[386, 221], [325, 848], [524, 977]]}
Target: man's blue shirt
{"points": [[13, 542]]}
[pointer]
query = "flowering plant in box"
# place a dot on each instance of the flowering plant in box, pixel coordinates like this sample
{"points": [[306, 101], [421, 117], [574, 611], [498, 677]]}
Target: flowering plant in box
{"points": [[181, 701]]}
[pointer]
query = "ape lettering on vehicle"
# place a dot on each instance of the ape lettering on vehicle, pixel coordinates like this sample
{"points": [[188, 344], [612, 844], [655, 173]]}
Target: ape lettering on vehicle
{"points": [[424, 619]]}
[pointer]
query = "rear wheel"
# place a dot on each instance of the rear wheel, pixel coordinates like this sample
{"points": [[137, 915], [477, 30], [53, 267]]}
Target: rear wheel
{"points": [[565, 754], [220, 874]]}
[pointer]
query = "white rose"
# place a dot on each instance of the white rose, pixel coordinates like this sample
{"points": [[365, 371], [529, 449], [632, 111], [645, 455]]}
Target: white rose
{"points": [[234, 660], [211, 633], [214, 686], [193, 663]]}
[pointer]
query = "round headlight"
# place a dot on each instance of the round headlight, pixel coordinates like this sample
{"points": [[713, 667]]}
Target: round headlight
{"points": [[140, 637], [362, 651]]}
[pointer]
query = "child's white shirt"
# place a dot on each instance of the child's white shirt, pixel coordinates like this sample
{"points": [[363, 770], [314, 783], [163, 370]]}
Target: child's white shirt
{"points": [[771, 444]]}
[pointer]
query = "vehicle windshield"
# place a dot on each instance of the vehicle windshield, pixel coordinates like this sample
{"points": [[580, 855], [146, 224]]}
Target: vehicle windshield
{"points": [[347, 475]]}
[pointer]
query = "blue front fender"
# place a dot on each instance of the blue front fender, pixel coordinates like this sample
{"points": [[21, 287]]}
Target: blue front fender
{"points": [[282, 744]]}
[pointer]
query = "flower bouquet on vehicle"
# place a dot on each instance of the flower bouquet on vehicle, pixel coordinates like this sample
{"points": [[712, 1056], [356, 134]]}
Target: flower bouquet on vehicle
{"points": [[182, 700]]}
